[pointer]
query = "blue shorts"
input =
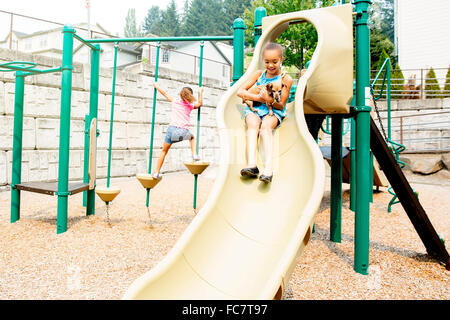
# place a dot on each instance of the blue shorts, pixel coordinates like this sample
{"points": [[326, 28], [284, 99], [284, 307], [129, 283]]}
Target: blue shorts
{"points": [[247, 111], [176, 134]]}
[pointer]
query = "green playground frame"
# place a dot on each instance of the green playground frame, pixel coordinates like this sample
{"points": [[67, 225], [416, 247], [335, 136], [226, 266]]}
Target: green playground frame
{"points": [[24, 69]]}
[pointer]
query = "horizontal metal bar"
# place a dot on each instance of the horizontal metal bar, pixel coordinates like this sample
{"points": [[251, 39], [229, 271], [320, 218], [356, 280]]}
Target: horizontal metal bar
{"points": [[419, 115], [37, 71], [162, 39], [425, 151], [85, 42]]}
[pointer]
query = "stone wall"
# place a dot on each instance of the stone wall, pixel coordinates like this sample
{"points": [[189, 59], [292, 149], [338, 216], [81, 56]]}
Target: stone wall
{"points": [[132, 120], [427, 129]]}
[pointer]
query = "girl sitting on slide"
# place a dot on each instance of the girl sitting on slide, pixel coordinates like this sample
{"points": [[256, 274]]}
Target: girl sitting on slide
{"points": [[261, 122], [178, 129]]}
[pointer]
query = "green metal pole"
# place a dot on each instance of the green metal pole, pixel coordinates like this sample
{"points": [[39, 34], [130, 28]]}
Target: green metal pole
{"points": [[352, 164], [238, 49], [336, 178], [158, 39], [388, 99], [64, 129], [86, 157], [93, 112], [371, 176], [113, 93], [153, 120], [260, 13], [16, 177], [200, 83], [361, 259]]}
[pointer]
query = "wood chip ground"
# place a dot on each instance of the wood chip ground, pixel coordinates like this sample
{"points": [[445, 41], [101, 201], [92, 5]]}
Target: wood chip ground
{"points": [[93, 261]]}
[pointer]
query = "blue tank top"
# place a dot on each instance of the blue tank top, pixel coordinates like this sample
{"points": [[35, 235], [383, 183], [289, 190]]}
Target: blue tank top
{"points": [[261, 108]]}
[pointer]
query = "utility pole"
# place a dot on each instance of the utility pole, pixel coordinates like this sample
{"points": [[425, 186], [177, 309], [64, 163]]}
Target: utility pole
{"points": [[88, 7]]}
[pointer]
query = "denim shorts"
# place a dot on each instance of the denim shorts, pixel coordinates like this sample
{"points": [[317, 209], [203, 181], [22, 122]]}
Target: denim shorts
{"points": [[247, 111], [176, 134]]}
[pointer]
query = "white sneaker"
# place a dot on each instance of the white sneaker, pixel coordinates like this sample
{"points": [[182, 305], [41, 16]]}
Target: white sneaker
{"points": [[195, 158]]}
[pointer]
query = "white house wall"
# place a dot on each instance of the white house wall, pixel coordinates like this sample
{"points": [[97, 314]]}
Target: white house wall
{"points": [[423, 35]]}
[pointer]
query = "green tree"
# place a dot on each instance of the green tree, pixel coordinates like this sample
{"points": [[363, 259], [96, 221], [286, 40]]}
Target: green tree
{"points": [[170, 26], [299, 40], [379, 43], [205, 17], [234, 9], [397, 82], [131, 30], [447, 84], [152, 22], [382, 15], [432, 88]]}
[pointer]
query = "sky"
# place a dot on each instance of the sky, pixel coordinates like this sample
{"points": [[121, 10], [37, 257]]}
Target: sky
{"points": [[110, 14]]}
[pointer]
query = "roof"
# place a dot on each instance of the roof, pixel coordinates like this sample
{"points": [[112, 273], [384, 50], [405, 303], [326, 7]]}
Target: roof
{"points": [[18, 35]]}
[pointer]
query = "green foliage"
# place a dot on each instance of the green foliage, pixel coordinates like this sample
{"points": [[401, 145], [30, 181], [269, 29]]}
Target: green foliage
{"points": [[299, 40], [206, 17], [379, 43], [432, 88], [198, 17], [131, 30], [447, 84], [170, 26], [382, 14], [397, 82], [152, 22]]}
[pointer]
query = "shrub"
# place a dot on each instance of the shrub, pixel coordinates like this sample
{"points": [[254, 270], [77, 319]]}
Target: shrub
{"points": [[397, 82], [447, 84], [432, 88]]}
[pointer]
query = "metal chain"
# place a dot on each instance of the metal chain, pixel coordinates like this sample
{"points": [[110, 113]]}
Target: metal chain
{"points": [[107, 215], [378, 114], [149, 216]]}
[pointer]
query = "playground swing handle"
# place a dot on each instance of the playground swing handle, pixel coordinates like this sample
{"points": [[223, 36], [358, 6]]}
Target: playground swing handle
{"points": [[113, 93], [198, 122], [158, 47]]}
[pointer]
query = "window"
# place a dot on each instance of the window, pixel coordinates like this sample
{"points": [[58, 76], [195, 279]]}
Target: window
{"points": [[28, 44], [43, 41], [225, 70], [165, 56]]}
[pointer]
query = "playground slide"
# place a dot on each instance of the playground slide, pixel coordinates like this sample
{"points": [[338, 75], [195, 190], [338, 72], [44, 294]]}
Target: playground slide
{"points": [[246, 239]]}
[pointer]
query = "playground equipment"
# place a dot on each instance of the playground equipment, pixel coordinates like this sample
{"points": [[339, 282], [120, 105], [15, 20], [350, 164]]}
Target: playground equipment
{"points": [[62, 188], [244, 244], [245, 241], [108, 193]]}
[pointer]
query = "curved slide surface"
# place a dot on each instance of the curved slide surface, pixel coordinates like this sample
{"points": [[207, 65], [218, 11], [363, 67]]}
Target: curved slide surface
{"points": [[246, 239]]}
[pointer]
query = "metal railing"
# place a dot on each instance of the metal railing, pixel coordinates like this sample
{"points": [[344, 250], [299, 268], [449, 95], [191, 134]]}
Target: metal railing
{"points": [[423, 135], [413, 86]]}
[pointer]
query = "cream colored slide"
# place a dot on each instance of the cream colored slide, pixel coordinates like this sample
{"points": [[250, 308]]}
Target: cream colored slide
{"points": [[248, 236]]}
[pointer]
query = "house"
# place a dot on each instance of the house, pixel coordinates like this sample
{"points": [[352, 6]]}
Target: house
{"points": [[50, 43], [12, 42], [184, 56], [422, 37]]}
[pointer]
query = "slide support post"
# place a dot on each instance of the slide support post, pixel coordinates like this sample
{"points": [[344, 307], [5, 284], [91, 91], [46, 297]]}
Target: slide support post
{"points": [[362, 108]]}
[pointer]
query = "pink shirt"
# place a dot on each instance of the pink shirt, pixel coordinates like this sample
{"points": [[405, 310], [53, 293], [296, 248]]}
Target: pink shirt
{"points": [[180, 115]]}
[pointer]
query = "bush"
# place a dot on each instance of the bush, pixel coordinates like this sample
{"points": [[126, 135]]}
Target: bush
{"points": [[432, 88], [447, 84], [397, 82]]}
